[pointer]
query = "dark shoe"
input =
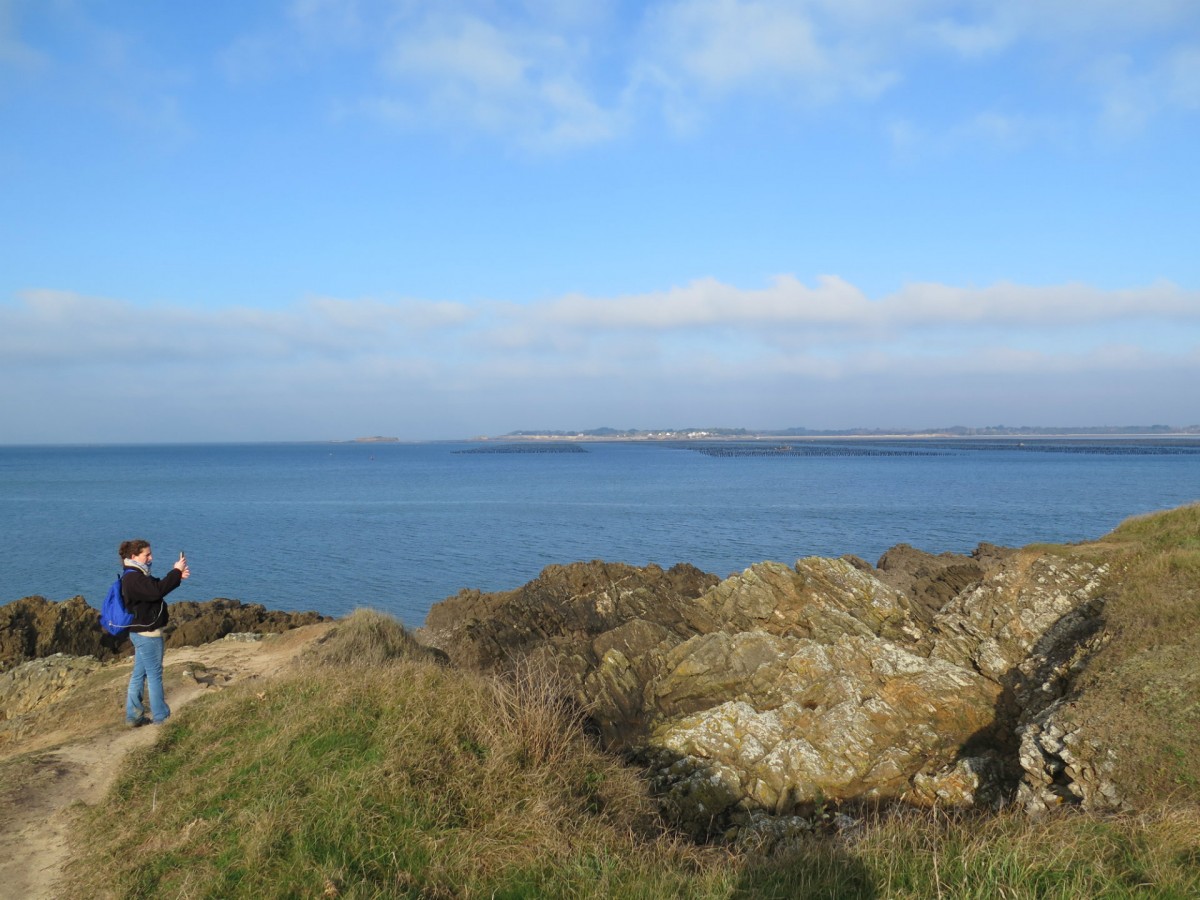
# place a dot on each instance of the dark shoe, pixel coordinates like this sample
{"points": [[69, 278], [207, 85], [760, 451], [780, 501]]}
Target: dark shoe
{"points": [[138, 722]]}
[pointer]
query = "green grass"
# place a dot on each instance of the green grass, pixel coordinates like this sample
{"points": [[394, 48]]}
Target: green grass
{"points": [[418, 781], [1071, 855], [1142, 688], [1171, 530], [407, 779]]}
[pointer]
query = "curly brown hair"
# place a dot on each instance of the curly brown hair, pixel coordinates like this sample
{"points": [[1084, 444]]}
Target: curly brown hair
{"points": [[130, 549]]}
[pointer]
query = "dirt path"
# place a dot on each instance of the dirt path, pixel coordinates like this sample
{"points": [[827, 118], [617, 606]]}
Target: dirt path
{"points": [[68, 766]]}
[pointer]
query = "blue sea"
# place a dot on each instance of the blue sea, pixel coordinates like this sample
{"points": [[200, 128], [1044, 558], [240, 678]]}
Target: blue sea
{"points": [[334, 526]]}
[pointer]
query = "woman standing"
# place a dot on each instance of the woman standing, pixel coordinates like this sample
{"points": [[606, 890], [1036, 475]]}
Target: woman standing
{"points": [[143, 597]]}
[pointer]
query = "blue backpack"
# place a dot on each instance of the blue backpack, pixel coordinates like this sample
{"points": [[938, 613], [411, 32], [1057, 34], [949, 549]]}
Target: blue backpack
{"points": [[114, 618]]}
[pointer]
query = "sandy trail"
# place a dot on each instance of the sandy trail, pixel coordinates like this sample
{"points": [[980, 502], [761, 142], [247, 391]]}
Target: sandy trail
{"points": [[35, 817]]}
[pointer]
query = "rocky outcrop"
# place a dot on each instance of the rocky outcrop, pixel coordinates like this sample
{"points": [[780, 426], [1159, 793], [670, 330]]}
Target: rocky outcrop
{"points": [[931, 680], [570, 615], [39, 682], [1039, 603], [1062, 764], [195, 623], [820, 599], [933, 581], [35, 627], [854, 718]]}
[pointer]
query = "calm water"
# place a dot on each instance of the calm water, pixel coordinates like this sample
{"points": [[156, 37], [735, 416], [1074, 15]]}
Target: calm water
{"points": [[399, 527]]}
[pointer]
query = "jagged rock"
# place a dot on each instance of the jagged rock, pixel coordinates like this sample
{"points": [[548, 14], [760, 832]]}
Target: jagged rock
{"points": [[816, 598], [858, 562], [39, 682], [971, 781], [35, 627], [994, 626], [213, 678], [1009, 645], [784, 687], [789, 721], [769, 690], [195, 623], [933, 581], [1063, 766], [567, 607], [696, 798], [765, 834]]}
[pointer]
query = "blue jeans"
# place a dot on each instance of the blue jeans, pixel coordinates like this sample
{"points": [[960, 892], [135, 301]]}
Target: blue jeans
{"points": [[148, 667]]}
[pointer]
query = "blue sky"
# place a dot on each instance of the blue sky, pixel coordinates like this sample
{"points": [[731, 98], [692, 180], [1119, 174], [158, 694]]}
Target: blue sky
{"points": [[330, 218]]}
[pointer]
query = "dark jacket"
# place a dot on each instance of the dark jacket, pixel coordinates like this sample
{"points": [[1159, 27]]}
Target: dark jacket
{"points": [[143, 596]]}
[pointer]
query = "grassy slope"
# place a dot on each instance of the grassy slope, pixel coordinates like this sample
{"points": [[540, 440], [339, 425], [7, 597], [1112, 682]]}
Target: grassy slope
{"points": [[402, 778], [1143, 688]]}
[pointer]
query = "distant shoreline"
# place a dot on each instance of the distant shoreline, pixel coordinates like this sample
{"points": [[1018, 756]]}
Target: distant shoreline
{"points": [[689, 435], [675, 437]]}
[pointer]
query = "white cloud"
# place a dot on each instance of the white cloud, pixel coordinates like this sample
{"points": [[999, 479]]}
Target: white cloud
{"points": [[59, 328], [1133, 92], [832, 318], [726, 44], [94, 67], [1181, 74], [517, 82], [1069, 305], [14, 52], [372, 315], [695, 53], [327, 363], [551, 74], [462, 49], [1091, 19], [971, 40], [708, 303], [834, 302], [329, 20], [255, 57], [546, 74]]}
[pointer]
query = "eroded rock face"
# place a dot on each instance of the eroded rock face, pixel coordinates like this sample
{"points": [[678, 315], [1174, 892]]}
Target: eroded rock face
{"points": [[35, 627], [855, 718], [194, 623], [39, 682], [783, 688], [933, 581], [567, 608], [816, 598], [996, 625], [1063, 766], [972, 781]]}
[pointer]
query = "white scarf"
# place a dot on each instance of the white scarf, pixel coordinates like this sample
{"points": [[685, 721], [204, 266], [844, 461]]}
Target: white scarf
{"points": [[130, 564]]}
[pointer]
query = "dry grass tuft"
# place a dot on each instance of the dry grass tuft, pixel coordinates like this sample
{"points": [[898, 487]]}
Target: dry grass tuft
{"points": [[367, 637]]}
